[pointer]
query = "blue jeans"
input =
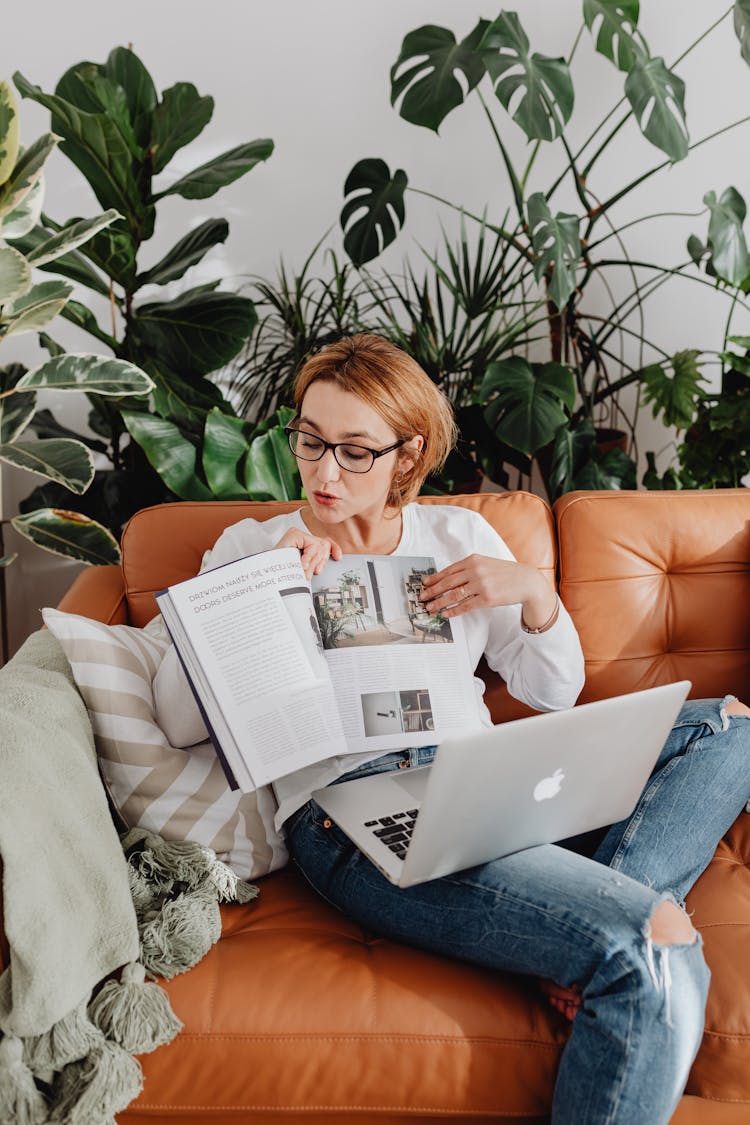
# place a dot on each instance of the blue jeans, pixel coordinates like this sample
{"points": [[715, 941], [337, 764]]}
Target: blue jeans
{"points": [[554, 913]]}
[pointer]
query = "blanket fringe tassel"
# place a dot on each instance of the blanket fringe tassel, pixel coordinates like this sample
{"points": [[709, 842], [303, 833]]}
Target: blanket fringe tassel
{"points": [[134, 1013], [21, 1101], [93, 1090]]}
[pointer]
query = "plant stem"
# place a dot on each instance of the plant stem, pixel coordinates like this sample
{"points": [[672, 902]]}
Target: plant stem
{"points": [[515, 185], [614, 231]]}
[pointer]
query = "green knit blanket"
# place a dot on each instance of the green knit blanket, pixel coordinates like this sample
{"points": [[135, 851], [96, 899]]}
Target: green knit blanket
{"points": [[88, 915]]}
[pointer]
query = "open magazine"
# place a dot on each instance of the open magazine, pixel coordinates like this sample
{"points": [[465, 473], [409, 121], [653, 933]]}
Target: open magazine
{"points": [[288, 672]]}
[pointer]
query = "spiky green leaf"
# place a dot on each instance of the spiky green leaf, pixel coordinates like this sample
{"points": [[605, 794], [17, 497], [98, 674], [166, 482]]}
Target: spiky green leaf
{"points": [[59, 459], [70, 534], [657, 98], [613, 23], [179, 118], [374, 212], [206, 180], [423, 78], [171, 455], [95, 374], [546, 89]]}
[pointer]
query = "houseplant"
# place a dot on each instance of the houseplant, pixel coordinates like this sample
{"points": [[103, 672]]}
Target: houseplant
{"points": [[122, 135], [553, 258]]}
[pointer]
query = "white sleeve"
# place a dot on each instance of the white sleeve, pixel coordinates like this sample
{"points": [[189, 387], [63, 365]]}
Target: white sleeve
{"points": [[175, 708], [544, 670]]}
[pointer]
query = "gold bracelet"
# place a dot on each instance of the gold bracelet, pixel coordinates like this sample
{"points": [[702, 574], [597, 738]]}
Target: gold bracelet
{"points": [[547, 624]]}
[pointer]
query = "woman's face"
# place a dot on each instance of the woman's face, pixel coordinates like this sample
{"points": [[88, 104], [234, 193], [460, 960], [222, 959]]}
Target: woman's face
{"points": [[335, 494]]}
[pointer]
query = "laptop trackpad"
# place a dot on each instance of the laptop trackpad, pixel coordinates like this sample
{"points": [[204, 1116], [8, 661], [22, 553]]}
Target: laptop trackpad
{"points": [[414, 783]]}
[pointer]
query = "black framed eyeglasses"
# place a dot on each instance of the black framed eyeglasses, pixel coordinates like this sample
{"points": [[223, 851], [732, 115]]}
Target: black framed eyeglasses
{"points": [[353, 458]]}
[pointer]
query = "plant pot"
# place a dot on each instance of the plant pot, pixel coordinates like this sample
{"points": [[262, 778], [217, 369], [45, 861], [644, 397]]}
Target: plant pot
{"points": [[607, 439]]}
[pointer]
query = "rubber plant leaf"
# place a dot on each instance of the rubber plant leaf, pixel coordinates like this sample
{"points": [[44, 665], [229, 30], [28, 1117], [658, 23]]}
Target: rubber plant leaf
{"points": [[206, 180], [95, 374], [70, 237], [15, 274], [423, 78], [8, 131], [60, 459], [70, 534], [726, 238], [528, 402], [185, 253], [546, 89], [36, 308], [557, 248], [657, 98], [26, 173], [16, 410], [23, 218], [169, 453], [374, 210], [613, 24], [181, 115], [72, 265]]}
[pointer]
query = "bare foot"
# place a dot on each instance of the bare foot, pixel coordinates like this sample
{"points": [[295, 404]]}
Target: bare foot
{"points": [[566, 1001]]}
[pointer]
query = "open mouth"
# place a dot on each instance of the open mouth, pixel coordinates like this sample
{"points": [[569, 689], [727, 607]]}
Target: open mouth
{"points": [[325, 497]]}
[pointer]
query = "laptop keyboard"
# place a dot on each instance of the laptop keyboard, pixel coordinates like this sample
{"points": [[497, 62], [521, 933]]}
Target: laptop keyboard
{"points": [[395, 830]]}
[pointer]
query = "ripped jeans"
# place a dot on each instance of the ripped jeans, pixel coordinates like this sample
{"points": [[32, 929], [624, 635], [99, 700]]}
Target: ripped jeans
{"points": [[552, 912]]}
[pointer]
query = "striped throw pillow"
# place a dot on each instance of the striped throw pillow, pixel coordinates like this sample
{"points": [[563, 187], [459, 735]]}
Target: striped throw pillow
{"points": [[180, 794]]}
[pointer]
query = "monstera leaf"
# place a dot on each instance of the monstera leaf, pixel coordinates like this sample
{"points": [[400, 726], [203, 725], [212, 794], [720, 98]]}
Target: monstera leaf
{"points": [[557, 246], [726, 239], [374, 212], [613, 24], [424, 75], [528, 401], [742, 27], [546, 100], [657, 98]]}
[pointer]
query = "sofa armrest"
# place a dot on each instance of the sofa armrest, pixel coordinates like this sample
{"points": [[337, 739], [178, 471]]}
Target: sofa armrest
{"points": [[98, 592]]}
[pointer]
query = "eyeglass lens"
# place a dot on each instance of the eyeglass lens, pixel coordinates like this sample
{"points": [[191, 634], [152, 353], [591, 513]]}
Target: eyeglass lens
{"points": [[355, 458]]}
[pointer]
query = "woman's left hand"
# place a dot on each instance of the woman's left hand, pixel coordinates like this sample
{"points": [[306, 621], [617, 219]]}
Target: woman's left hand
{"points": [[481, 582]]}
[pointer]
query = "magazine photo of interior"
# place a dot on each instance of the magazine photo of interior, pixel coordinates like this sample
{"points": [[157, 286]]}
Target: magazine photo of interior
{"points": [[395, 712], [362, 601]]}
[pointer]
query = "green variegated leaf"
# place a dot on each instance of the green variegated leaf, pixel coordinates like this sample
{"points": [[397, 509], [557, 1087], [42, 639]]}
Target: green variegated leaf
{"points": [[113, 250], [195, 333], [70, 534], [726, 238], [70, 237], [172, 455], [15, 274], [95, 145], [185, 253], [61, 459], [557, 246], [81, 316], [271, 471], [206, 180], [546, 89], [374, 211], [224, 445], [614, 25], [16, 410], [27, 171], [528, 402], [23, 218], [95, 374], [424, 79], [36, 308], [179, 118], [8, 131], [742, 27], [72, 265], [657, 98]]}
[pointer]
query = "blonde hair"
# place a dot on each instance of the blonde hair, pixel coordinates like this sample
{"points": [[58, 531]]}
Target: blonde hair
{"points": [[399, 390]]}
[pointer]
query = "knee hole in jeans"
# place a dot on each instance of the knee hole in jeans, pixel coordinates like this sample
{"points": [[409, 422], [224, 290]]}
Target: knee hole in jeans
{"points": [[669, 925]]}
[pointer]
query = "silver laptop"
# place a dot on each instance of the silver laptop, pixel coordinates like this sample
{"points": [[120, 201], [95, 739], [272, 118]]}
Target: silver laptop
{"points": [[499, 790]]}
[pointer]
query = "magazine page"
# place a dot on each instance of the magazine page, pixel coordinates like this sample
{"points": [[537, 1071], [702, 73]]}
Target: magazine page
{"points": [[249, 641], [402, 676]]}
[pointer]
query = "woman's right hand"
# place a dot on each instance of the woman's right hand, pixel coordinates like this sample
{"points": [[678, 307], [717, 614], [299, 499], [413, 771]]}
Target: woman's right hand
{"points": [[314, 552]]}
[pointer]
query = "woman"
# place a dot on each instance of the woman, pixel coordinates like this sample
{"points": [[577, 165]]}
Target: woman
{"points": [[623, 960]]}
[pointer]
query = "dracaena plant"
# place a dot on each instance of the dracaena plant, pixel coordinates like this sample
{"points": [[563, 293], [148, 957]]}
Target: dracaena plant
{"points": [[552, 259], [29, 306], [123, 136]]}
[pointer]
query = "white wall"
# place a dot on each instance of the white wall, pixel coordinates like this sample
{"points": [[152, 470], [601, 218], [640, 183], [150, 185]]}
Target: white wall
{"points": [[313, 75]]}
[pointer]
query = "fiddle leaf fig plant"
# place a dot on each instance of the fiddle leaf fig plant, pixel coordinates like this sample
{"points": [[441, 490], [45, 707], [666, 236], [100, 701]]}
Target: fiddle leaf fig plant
{"points": [[28, 307], [123, 136], [552, 259]]}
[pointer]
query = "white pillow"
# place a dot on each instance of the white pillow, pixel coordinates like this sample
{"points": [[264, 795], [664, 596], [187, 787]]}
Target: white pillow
{"points": [[180, 794]]}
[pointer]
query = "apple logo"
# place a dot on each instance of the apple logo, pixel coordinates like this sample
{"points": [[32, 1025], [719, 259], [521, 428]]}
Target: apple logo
{"points": [[549, 787]]}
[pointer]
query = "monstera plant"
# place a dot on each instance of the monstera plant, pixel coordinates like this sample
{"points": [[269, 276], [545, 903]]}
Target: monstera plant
{"points": [[550, 262], [29, 306], [123, 137]]}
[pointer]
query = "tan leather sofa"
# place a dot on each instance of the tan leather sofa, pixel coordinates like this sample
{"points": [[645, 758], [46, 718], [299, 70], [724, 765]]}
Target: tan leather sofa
{"points": [[297, 1014]]}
